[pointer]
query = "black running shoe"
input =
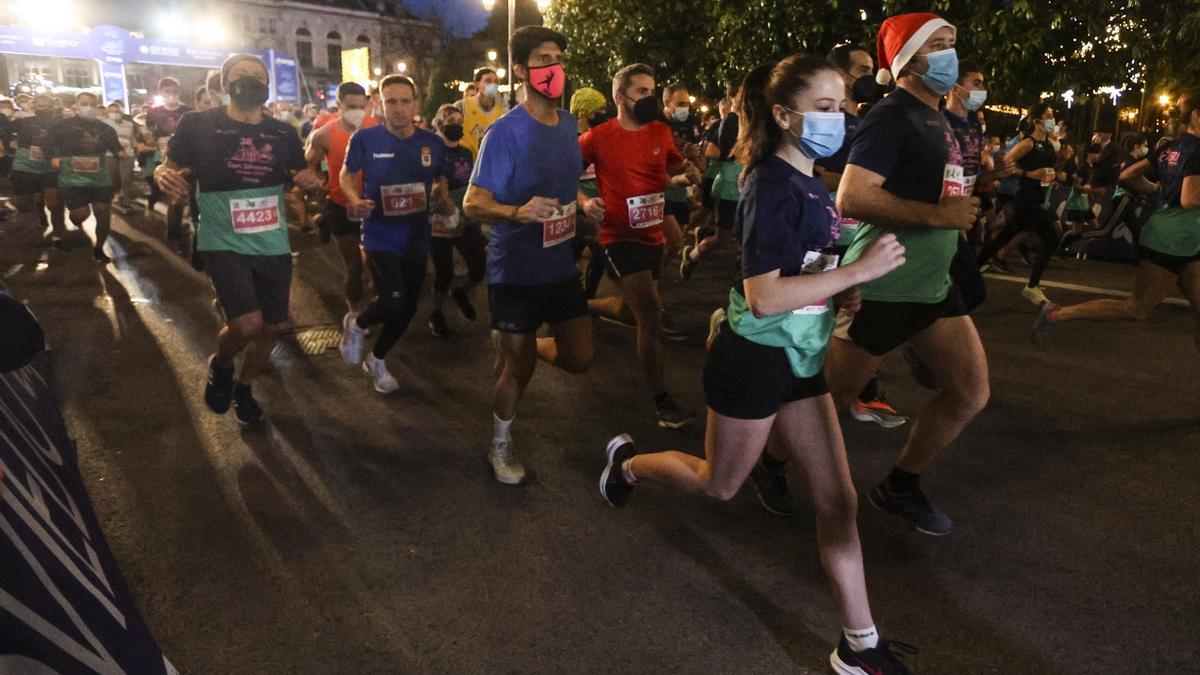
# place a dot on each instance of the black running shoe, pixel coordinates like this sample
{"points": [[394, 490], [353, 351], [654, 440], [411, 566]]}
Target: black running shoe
{"points": [[437, 325], [912, 505], [919, 370], [245, 406], [686, 265], [1043, 323], [878, 661], [771, 486], [218, 392], [1000, 265], [613, 486], [459, 295]]}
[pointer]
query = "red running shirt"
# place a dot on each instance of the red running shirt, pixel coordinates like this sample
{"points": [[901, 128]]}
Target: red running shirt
{"points": [[631, 169]]}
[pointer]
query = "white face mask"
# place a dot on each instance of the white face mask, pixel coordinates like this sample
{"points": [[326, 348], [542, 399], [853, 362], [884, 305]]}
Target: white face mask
{"points": [[224, 99], [85, 111], [682, 113], [115, 116], [1141, 152], [354, 117]]}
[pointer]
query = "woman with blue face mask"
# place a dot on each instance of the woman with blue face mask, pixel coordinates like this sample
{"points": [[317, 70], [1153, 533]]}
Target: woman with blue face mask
{"points": [[1035, 159], [764, 367]]}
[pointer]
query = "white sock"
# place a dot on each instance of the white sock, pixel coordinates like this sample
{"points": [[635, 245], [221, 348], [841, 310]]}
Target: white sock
{"points": [[627, 472], [500, 432], [861, 639]]}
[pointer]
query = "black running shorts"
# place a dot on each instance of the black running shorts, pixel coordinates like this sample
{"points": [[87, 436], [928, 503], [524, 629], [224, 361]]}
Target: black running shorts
{"points": [[623, 258], [749, 381], [880, 327], [523, 309], [338, 221], [251, 283], [1175, 264]]}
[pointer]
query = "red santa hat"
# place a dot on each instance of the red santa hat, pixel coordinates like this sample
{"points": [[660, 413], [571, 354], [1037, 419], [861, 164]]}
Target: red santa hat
{"points": [[899, 39]]}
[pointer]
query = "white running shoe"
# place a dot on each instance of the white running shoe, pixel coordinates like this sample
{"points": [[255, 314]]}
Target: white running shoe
{"points": [[1035, 294], [351, 345], [377, 369], [505, 465]]}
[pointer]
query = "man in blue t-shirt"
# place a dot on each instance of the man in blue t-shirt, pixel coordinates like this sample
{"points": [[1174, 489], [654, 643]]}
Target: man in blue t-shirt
{"points": [[526, 184], [403, 171]]}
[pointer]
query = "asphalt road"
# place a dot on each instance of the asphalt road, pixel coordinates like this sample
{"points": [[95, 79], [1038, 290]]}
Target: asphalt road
{"points": [[355, 533]]}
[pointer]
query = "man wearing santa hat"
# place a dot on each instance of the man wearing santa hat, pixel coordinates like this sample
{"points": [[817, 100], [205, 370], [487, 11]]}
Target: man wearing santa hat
{"points": [[905, 176]]}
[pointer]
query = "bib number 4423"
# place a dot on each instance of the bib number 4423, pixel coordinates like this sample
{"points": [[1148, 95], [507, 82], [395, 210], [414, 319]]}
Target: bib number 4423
{"points": [[251, 216]]}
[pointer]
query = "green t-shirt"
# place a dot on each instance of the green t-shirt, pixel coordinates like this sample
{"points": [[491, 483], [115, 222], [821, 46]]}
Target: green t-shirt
{"points": [[84, 171], [33, 144], [1077, 201], [803, 335], [725, 184], [925, 275], [252, 221], [675, 194], [31, 160], [1173, 230], [82, 146], [589, 187]]}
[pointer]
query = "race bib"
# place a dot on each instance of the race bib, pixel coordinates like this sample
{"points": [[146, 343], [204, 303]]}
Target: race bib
{"points": [[646, 211], [251, 216], [969, 185], [404, 199], [952, 181], [446, 226], [85, 164], [814, 263], [36, 154], [560, 226], [162, 145]]}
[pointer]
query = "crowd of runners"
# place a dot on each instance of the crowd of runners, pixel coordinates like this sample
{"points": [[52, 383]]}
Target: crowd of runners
{"points": [[860, 192]]}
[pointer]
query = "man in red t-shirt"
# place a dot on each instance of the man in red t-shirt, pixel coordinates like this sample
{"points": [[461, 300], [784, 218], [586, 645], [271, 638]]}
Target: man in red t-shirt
{"points": [[329, 143], [635, 157]]}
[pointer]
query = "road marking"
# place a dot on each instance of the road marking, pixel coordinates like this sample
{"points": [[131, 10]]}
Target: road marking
{"points": [[1080, 287]]}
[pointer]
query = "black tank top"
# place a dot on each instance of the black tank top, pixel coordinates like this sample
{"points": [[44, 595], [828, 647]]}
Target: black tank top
{"points": [[1040, 157]]}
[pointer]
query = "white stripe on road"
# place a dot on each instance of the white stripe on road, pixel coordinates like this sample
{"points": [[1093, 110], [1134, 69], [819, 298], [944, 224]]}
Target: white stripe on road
{"points": [[1080, 287]]}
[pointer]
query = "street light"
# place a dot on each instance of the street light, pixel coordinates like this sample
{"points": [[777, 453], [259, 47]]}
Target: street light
{"points": [[402, 67], [492, 55], [378, 71], [543, 5], [488, 5], [1164, 100], [500, 73]]}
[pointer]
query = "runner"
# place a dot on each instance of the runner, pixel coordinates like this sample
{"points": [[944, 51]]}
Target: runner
{"points": [[1035, 157], [401, 167], [241, 162], [588, 107], [1169, 243], [725, 191], [904, 176], [328, 143], [79, 149], [482, 109], [677, 111], [526, 184], [121, 171], [162, 120], [1079, 211], [455, 231], [635, 158], [34, 180], [765, 372]]}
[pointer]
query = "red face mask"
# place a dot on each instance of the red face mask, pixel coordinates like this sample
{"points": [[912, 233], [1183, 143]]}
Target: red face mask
{"points": [[549, 81]]}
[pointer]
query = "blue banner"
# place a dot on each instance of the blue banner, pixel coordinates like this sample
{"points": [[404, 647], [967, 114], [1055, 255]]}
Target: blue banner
{"points": [[63, 604], [114, 45], [112, 81], [285, 77]]}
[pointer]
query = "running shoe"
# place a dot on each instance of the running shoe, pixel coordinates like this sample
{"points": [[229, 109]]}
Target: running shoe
{"points": [[670, 416], [1035, 294], [352, 340], [245, 407], [715, 321], [437, 325], [912, 505], [377, 369], [686, 264], [878, 412], [100, 256], [1044, 322], [877, 661], [998, 265], [613, 486], [919, 370], [459, 295], [771, 486], [505, 465], [218, 392]]}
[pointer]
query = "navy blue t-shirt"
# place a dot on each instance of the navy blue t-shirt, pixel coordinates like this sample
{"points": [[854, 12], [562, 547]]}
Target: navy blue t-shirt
{"points": [[520, 159], [1178, 160], [398, 176], [837, 162], [782, 216], [909, 143], [969, 133]]}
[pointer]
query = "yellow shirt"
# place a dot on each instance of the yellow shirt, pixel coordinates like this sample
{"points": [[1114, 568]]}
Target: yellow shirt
{"points": [[476, 121]]}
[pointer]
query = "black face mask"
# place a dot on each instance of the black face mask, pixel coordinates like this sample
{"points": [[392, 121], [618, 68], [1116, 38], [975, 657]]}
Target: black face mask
{"points": [[248, 92], [453, 132], [597, 118], [866, 90], [646, 110]]}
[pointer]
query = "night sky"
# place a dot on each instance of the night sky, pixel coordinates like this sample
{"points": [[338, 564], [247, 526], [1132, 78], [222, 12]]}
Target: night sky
{"points": [[464, 17]]}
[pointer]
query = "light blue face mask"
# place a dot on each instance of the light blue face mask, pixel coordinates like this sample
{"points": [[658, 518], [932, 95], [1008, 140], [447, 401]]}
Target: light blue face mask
{"points": [[1050, 126], [975, 99], [491, 89], [941, 70], [823, 133]]}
